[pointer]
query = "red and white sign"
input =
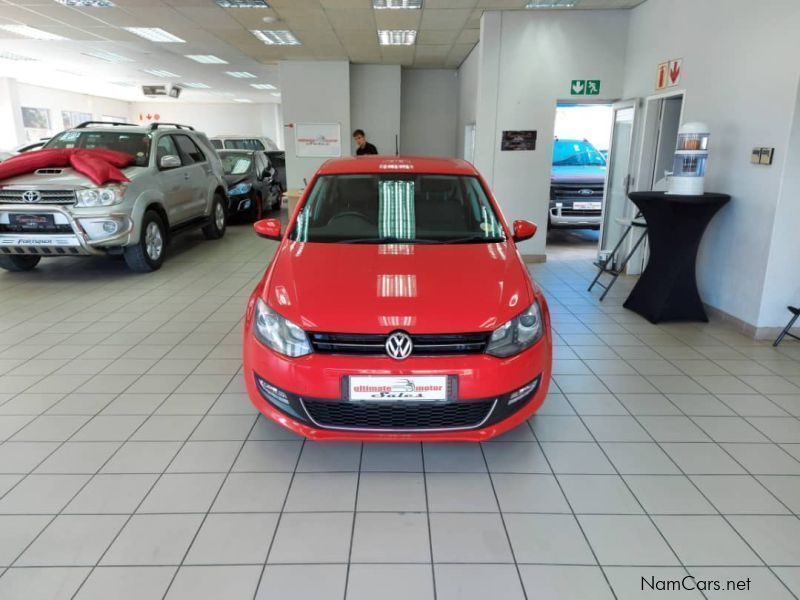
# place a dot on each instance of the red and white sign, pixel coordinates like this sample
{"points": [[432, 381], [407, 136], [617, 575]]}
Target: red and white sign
{"points": [[149, 117], [668, 74], [409, 388]]}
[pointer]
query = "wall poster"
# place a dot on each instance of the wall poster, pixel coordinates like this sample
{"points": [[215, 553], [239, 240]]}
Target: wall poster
{"points": [[518, 140], [316, 140], [36, 122]]}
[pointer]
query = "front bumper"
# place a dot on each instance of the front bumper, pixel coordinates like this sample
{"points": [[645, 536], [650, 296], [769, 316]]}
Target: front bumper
{"points": [[318, 379], [75, 242], [565, 216], [240, 203]]}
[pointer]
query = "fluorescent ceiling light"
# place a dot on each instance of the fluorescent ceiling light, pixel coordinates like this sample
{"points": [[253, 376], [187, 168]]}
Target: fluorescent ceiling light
{"points": [[240, 74], [197, 85], [551, 3], [276, 94], [276, 37], [155, 34], [379, 4], [111, 57], [397, 37], [87, 3], [160, 73], [5, 55], [243, 100], [207, 59], [263, 86], [243, 3], [31, 32]]}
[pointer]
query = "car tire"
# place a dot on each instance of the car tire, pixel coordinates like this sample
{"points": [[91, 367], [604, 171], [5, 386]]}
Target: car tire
{"points": [[219, 220], [256, 208], [19, 263], [148, 254], [276, 205]]}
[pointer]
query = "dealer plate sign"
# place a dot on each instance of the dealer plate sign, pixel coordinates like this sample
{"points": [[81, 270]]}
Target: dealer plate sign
{"points": [[411, 388]]}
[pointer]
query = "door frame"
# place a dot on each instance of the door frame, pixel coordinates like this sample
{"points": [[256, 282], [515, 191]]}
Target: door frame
{"points": [[649, 136]]}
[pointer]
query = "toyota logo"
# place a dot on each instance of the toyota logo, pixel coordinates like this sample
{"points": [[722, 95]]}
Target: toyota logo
{"points": [[399, 345], [31, 196]]}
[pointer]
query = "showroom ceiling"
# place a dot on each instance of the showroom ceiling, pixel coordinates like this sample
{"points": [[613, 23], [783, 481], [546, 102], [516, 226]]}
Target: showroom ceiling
{"points": [[446, 31]]}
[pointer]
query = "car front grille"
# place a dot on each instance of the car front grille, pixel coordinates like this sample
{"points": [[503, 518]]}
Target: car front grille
{"points": [[424, 345], [572, 212], [589, 192], [398, 416], [14, 196], [56, 228]]}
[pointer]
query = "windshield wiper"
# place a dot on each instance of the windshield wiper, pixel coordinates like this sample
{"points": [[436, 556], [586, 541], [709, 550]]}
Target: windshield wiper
{"points": [[472, 239], [385, 240]]}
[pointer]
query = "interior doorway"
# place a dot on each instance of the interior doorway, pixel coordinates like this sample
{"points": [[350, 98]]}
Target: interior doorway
{"points": [[582, 136]]}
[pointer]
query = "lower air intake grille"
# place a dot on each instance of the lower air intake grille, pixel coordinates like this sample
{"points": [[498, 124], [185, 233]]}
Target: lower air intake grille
{"points": [[405, 416]]}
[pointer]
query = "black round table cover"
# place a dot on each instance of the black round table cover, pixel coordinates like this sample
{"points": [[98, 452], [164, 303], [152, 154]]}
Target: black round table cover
{"points": [[667, 289]]}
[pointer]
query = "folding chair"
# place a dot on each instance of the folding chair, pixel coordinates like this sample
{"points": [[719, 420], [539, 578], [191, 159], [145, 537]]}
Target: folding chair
{"points": [[618, 268], [796, 313]]}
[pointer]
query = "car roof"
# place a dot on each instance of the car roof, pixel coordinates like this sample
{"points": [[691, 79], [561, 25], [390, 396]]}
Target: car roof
{"points": [[237, 151], [240, 137], [377, 163]]}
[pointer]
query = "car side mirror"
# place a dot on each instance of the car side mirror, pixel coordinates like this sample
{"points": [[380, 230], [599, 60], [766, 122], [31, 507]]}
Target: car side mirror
{"points": [[524, 230], [170, 161], [268, 228]]}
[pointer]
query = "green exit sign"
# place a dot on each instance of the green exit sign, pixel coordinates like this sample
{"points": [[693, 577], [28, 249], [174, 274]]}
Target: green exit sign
{"points": [[585, 87]]}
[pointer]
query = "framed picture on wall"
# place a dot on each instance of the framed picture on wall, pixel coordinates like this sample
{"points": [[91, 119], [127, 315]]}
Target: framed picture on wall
{"points": [[36, 122], [318, 140], [74, 118]]}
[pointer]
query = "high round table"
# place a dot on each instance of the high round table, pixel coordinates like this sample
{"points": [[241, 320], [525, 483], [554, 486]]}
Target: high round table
{"points": [[667, 289]]}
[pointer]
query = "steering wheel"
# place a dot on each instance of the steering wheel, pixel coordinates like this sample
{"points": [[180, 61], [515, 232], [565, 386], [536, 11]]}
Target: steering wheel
{"points": [[351, 214]]}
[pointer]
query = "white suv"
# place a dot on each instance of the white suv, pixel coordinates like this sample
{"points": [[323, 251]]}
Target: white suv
{"points": [[243, 142], [175, 183]]}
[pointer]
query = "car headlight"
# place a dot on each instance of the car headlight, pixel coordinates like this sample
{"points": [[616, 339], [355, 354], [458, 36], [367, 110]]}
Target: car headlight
{"points": [[518, 334], [240, 188], [278, 333], [103, 196]]}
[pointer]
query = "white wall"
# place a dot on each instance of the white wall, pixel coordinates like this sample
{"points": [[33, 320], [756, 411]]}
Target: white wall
{"points": [[429, 112], [215, 119], [748, 98], [375, 105], [467, 95], [313, 92], [527, 61], [11, 133]]}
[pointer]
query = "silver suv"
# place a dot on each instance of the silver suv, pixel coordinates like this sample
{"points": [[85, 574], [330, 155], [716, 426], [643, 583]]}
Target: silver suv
{"points": [[176, 183]]}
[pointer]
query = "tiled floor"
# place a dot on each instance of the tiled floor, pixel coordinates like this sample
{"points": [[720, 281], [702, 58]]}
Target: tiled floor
{"points": [[132, 465]]}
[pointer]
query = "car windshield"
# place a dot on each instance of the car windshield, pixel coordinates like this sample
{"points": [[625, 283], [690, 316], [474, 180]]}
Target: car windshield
{"points": [[378, 209], [135, 144], [236, 164], [574, 153]]}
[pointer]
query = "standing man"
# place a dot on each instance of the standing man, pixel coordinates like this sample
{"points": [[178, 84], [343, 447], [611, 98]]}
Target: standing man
{"points": [[364, 147]]}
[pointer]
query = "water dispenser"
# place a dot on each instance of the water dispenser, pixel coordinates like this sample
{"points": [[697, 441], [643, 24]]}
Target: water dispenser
{"points": [[689, 165]]}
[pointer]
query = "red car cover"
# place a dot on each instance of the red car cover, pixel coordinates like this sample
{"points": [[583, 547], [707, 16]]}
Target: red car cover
{"points": [[101, 166]]}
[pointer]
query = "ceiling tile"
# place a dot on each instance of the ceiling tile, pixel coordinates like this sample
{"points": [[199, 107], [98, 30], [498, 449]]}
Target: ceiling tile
{"points": [[444, 18], [397, 19], [437, 36], [351, 18]]}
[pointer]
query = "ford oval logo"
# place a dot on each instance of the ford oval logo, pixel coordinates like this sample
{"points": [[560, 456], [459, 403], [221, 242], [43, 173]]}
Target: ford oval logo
{"points": [[31, 196], [586, 192], [399, 345]]}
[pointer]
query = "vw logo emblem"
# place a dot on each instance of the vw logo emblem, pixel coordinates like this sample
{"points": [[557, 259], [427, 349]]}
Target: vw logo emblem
{"points": [[31, 196], [399, 345]]}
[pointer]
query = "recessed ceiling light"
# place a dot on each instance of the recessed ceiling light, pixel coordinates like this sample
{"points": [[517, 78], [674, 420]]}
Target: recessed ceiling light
{"points": [[87, 3], [160, 73], [243, 3], [197, 85], [240, 74], [155, 34], [111, 57], [5, 55], [31, 32], [397, 37], [243, 100], [263, 86], [276, 94], [551, 3], [207, 59], [276, 37], [379, 4]]}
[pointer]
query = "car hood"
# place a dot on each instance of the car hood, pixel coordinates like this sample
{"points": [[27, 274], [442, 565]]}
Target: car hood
{"points": [[232, 180], [61, 177], [578, 174], [371, 288]]}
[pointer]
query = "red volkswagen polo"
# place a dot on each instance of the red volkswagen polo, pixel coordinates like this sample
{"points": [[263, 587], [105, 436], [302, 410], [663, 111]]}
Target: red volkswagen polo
{"points": [[397, 307]]}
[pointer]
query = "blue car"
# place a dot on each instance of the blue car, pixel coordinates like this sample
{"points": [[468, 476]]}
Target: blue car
{"points": [[577, 185]]}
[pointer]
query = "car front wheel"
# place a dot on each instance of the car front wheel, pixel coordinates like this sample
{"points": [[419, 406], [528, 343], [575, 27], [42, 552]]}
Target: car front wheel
{"points": [[216, 226], [19, 263], [148, 254]]}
